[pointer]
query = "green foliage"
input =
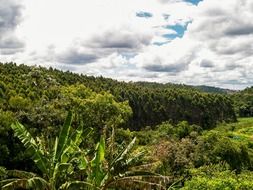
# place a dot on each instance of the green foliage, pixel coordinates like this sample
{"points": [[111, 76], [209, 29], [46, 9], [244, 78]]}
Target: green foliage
{"points": [[168, 120], [18, 103], [218, 177], [31, 146], [38, 98], [211, 89], [61, 164], [55, 164], [243, 102], [164, 131], [151, 103], [176, 157], [3, 173], [97, 176], [214, 147], [97, 110]]}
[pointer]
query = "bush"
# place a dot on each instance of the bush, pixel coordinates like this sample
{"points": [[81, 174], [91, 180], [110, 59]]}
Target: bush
{"points": [[218, 177]]}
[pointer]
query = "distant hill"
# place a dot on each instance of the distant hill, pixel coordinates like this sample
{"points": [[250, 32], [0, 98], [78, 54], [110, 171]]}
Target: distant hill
{"points": [[211, 89], [201, 88]]}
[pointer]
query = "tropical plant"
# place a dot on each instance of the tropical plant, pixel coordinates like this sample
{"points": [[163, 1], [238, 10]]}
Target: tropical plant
{"points": [[56, 163], [116, 173], [62, 165]]}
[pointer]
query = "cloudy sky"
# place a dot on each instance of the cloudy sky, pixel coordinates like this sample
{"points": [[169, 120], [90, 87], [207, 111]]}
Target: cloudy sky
{"points": [[196, 42]]}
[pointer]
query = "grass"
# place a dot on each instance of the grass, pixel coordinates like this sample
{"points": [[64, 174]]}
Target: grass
{"points": [[239, 131]]}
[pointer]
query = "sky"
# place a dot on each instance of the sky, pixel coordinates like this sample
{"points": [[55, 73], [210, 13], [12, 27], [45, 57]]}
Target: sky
{"points": [[207, 42]]}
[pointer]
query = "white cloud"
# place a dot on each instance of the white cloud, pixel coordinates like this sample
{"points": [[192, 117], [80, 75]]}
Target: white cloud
{"points": [[105, 37], [92, 30], [216, 49], [10, 17]]}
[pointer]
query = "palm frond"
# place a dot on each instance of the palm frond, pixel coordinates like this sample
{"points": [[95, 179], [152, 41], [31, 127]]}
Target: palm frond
{"points": [[20, 174], [35, 183], [98, 175], [6, 181], [132, 182], [33, 149], [63, 168], [73, 185], [72, 147], [79, 134], [15, 184], [135, 158], [64, 135], [122, 155], [142, 177]]}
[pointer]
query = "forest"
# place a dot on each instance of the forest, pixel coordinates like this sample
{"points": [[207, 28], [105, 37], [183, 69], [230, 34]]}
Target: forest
{"points": [[62, 130]]}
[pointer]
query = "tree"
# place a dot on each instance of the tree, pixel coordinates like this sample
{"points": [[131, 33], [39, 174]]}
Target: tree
{"points": [[97, 110]]}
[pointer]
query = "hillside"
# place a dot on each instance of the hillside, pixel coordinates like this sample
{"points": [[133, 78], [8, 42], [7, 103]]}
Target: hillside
{"points": [[162, 135], [151, 103]]}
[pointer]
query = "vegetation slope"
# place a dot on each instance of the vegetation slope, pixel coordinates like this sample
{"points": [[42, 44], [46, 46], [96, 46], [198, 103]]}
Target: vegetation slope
{"points": [[184, 135]]}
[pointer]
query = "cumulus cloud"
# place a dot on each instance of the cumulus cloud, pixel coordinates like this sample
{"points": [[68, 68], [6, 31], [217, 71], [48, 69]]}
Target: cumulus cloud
{"points": [[150, 40], [126, 40], [10, 17], [161, 64], [206, 63], [75, 57], [225, 30], [220, 38], [87, 30], [10, 44]]}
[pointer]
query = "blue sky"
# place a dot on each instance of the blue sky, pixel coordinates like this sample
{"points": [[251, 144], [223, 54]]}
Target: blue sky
{"points": [[144, 14], [193, 1], [179, 29]]}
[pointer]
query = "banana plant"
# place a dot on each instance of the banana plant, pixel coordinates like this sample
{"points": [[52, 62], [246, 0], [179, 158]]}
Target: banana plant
{"points": [[55, 164], [65, 159], [105, 174]]}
